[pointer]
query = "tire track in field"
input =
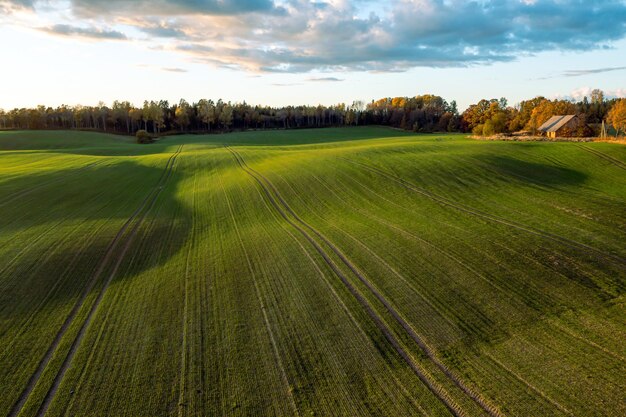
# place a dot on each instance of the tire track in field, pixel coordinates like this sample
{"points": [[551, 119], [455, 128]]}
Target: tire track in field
{"points": [[49, 294], [337, 297], [614, 161], [524, 296], [419, 341], [185, 333], [22, 193], [381, 261], [557, 326], [49, 253], [32, 382], [585, 340], [268, 327], [491, 217], [148, 204], [415, 238], [528, 384], [339, 300], [284, 209]]}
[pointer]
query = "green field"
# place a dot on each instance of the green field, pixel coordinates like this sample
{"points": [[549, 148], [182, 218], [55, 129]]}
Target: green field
{"points": [[344, 272]]}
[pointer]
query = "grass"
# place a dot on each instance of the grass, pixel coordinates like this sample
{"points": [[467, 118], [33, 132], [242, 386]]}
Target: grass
{"points": [[360, 271]]}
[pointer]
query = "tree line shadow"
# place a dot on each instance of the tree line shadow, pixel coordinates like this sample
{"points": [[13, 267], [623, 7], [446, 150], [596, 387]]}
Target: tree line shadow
{"points": [[27, 275]]}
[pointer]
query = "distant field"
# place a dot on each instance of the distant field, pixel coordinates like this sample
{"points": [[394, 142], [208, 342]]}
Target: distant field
{"points": [[345, 272]]}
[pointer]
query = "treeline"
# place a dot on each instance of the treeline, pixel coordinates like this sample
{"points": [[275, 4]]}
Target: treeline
{"points": [[161, 117], [491, 117], [424, 113]]}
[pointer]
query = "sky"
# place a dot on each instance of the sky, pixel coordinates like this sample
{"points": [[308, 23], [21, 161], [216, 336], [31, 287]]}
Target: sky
{"points": [[289, 52]]}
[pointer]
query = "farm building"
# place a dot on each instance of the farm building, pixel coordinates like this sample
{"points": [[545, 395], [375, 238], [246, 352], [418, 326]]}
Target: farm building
{"points": [[560, 126]]}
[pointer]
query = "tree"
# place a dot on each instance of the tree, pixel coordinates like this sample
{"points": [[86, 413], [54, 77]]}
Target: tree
{"points": [[226, 116], [490, 115], [121, 113], [143, 136], [523, 113], [357, 107], [597, 96], [206, 112], [617, 115], [103, 112], [135, 117], [182, 114], [546, 109]]}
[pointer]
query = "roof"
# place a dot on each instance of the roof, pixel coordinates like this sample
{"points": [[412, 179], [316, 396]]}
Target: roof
{"points": [[556, 122]]}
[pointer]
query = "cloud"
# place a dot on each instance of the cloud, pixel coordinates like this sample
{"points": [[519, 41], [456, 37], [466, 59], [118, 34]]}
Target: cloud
{"points": [[89, 32], [173, 69], [325, 79], [296, 36], [27, 4], [8, 7], [578, 73], [163, 31], [166, 69], [170, 7], [431, 33], [579, 93]]}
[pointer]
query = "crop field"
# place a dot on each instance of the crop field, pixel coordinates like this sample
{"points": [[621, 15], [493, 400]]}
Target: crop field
{"points": [[329, 272]]}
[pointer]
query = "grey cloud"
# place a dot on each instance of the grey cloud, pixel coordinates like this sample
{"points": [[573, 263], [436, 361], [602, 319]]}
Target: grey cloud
{"points": [[173, 69], [90, 32], [160, 31], [19, 3], [7, 7], [325, 79], [169, 7], [301, 36], [578, 73]]}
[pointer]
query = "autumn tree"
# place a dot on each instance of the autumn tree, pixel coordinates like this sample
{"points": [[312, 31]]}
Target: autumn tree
{"points": [[523, 113], [546, 109], [183, 114], [617, 115], [487, 117]]}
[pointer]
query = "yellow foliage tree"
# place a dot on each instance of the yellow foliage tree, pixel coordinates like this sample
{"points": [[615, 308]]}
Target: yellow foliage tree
{"points": [[546, 109], [617, 115]]}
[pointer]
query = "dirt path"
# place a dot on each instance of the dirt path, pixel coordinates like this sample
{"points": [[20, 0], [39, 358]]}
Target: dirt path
{"points": [[32, 382], [287, 213], [491, 217]]}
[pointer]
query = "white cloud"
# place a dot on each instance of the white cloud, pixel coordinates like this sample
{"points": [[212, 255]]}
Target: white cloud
{"points": [[300, 35]]}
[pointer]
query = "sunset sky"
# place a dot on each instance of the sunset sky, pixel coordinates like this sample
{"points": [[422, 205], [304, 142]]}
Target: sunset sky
{"points": [[302, 52]]}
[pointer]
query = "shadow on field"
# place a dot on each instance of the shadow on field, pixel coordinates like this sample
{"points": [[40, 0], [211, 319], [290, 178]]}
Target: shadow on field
{"points": [[533, 172], [31, 268], [289, 137]]}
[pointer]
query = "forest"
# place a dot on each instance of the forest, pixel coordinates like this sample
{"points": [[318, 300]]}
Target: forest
{"points": [[422, 113]]}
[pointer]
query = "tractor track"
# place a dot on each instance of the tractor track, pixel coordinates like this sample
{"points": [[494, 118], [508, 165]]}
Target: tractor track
{"points": [[268, 327], [336, 296], [32, 382], [614, 161], [491, 217], [300, 225]]}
